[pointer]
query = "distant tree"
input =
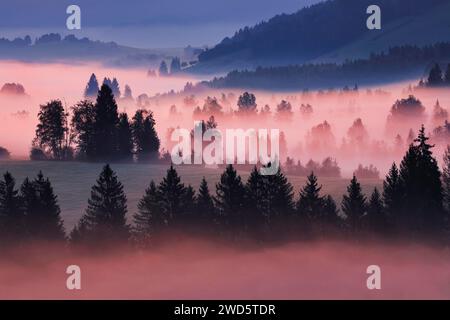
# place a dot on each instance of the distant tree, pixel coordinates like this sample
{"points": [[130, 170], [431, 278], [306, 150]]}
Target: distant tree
{"points": [[247, 103], [52, 130], [447, 75], [330, 212], [11, 215], [105, 219], [230, 200], [435, 76], [105, 126], [37, 154], [284, 110], [375, 218], [125, 138], [368, 172], [422, 210], [145, 137], [83, 126], [440, 115], [128, 94], [4, 154], [354, 204], [175, 65], [212, 107], [163, 70], [92, 88]]}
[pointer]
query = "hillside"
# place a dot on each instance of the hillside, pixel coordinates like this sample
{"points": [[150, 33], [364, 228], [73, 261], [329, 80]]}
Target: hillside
{"points": [[331, 30]]}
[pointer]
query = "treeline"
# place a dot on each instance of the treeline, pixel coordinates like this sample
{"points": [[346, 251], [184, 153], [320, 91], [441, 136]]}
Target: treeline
{"points": [[436, 77], [95, 132], [398, 62], [414, 202]]}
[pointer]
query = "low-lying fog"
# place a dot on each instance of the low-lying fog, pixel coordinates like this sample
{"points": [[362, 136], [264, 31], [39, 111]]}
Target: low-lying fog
{"points": [[192, 269], [43, 82]]}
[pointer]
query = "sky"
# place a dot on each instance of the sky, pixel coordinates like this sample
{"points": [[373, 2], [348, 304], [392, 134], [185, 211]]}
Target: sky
{"points": [[143, 23]]}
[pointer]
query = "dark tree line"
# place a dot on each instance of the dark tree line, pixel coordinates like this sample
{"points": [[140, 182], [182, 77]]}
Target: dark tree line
{"points": [[97, 129], [414, 203]]}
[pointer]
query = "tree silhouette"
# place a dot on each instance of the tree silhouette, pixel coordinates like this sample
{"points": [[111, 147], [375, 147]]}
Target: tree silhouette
{"points": [[375, 218], [149, 220], [435, 76], [92, 88], [205, 205], [175, 65], [51, 131], [104, 221], [163, 70], [171, 192], [447, 75], [422, 209], [105, 127], [41, 211], [82, 124], [309, 205], [11, 217], [125, 139], [145, 137], [354, 204], [392, 192], [247, 103], [230, 200]]}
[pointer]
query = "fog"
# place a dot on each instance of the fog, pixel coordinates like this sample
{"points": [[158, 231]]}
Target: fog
{"points": [[339, 109], [195, 269]]}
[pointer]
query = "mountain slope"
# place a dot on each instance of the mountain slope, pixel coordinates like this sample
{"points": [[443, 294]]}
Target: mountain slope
{"points": [[320, 31]]}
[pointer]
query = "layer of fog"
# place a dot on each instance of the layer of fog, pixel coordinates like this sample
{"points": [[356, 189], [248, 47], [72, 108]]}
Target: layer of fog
{"points": [[52, 81], [192, 269]]}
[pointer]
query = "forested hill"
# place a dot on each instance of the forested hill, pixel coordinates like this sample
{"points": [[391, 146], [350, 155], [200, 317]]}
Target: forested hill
{"points": [[322, 29], [398, 63]]}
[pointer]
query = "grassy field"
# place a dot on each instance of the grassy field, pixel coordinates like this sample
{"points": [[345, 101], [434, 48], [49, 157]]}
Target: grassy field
{"points": [[72, 181]]}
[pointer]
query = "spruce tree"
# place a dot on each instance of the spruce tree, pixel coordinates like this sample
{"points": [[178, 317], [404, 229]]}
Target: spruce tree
{"points": [[145, 137], [11, 217], [125, 139], [256, 210], [422, 211], [230, 200], [375, 218], [205, 205], [330, 212], [149, 219], [104, 221], [447, 75], [105, 126], [91, 90], [171, 192], [309, 205], [392, 192], [354, 204], [42, 215]]}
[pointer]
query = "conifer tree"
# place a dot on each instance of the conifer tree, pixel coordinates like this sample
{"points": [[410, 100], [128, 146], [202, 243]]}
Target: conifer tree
{"points": [[92, 88], [105, 127], [11, 217], [149, 219], [230, 199], [125, 139], [392, 192], [145, 137], [205, 206], [42, 215], [375, 217], [435, 76], [447, 75], [330, 212], [171, 192], [354, 204], [309, 205], [422, 209], [105, 219]]}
